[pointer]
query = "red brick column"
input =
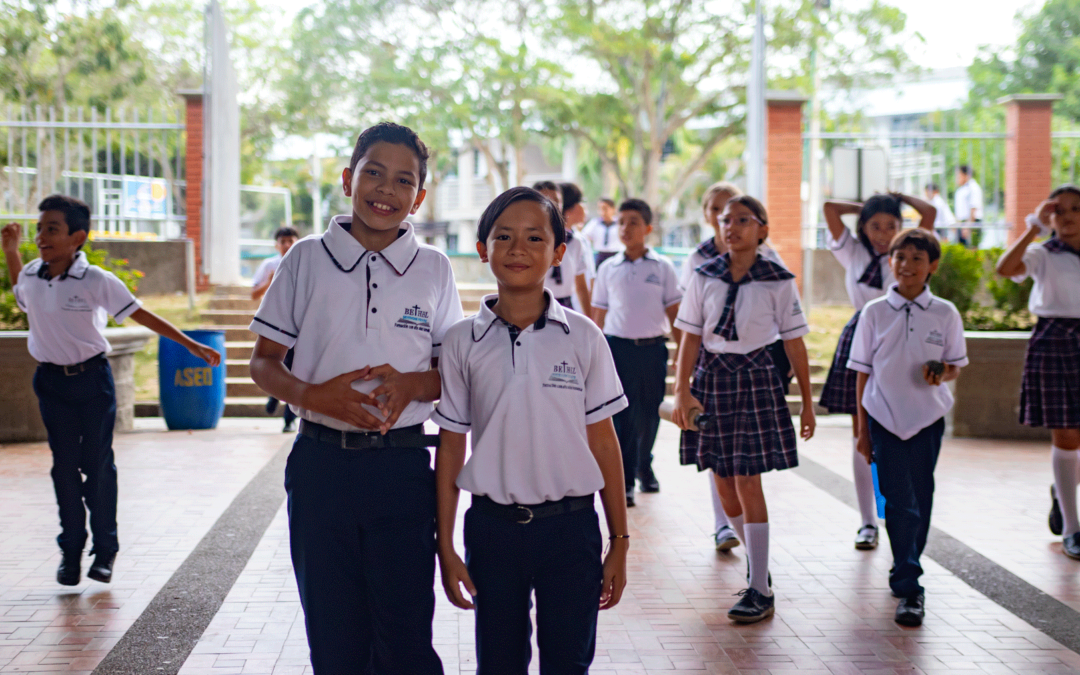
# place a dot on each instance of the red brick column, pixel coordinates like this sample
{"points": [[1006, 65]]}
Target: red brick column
{"points": [[1027, 156], [783, 176], [193, 172]]}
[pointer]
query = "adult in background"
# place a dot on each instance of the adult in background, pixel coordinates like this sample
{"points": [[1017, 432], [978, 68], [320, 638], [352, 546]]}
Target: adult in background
{"points": [[944, 218], [969, 202]]}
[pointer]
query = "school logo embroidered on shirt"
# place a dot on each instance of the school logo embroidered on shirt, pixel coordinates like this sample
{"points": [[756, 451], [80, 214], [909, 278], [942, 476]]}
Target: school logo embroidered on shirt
{"points": [[77, 304], [936, 338], [653, 279], [415, 318], [563, 376]]}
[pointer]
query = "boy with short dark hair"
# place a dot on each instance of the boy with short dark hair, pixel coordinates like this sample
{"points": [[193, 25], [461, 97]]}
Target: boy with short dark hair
{"points": [[907, 344], [569, 280], [636, 298], [68, 301], [365, 307]]}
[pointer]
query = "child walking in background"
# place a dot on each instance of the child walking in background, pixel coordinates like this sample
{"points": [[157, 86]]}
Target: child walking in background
{"points": [[1050, 395], [284, 238], [908, 343], [728, 530], [574, 212], [570, 277], [867, 276], [734, 307], [536, 386]]}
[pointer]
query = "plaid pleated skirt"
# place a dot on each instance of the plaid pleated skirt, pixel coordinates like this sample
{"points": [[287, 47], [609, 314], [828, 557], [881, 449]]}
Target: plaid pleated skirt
{"points": [[754, 433], [839, 394], [1050, 393]]}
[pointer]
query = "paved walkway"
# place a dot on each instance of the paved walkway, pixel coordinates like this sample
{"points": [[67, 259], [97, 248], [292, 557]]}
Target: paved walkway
{"points": [[834, 611]]}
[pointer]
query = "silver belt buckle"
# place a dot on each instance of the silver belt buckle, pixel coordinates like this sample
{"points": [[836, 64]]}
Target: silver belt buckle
{"points": [[75, 370], [528, 515]]}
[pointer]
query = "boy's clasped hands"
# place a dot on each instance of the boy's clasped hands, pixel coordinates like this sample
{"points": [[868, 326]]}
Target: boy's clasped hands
{"points": [[338, 399]]}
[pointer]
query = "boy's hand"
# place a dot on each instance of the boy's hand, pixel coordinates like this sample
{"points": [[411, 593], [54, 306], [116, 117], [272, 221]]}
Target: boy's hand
{"points": [[336, 398], [614, 574], [807, 422], [864, 446], [208, 354], [10, 237], [395, 393], [932, 377], [684, 404], [454, 574]]}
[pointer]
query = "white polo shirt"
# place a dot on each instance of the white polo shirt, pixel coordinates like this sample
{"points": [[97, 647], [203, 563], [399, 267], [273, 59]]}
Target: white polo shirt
{"points": [[944, 217], [527, 403], [707, 250], [68, 314], [635, 294], [589, 258], [603, 238], [854, 257], [265, 269], [573, 264], [763, 309], [342, 308], [969, 196], [893, 341], [1056, 293]]}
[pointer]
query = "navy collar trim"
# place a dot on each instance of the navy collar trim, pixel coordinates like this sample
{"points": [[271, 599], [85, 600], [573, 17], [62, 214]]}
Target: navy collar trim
{"points": [[899, 302], [346, 252], [486, 318], [76, 270]]}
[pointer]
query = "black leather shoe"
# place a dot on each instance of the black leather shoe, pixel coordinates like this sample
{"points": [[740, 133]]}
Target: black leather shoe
{"points": [[752, 607], [68, 572], [101, 570], [271, 405], [1070, 546], [630, 497], [867, 538], [1056, 522], [648, 480], [910, 611]]}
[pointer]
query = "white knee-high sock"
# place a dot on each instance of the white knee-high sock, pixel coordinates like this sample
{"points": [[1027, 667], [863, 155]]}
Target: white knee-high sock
{"points": [[757, 551], [736, 523], [720, 518], [864, 485], [1064, 463]]}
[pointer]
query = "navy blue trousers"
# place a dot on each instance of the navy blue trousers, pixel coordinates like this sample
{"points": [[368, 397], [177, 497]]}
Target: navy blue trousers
{"points": [[79, 412], [906, 478], [642, 371], [559, 558], [362, 536]]}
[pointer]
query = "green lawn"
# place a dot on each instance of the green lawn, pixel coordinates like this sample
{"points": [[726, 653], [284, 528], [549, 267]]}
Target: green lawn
{"points": [[173, 308], [826, 323]]}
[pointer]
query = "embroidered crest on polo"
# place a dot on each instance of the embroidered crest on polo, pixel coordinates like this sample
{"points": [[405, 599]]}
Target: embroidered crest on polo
{"points": [[77, 303], [415, 318], [936, 338], [564, 376], [653, 279]]}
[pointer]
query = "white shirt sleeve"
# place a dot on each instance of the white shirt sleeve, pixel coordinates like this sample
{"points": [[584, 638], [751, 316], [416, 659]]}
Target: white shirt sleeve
{"points": [[861, 356], [448, 312], [20, 287], [672, 292], [263, 272], [115, 297], [600, 288], [789, 312], [955, 353], [691, 317], [452, 412], [603, 391], [275, 319], [844, 248], [586, 264], [1034, 264]]}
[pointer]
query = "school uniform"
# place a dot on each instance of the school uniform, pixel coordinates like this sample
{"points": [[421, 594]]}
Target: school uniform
{"points": [[867, 276], [267, 268], [1050, 393], [893, 341], [603, 238], [588, 257], [562, 280], [636, 294], [362, 505], [75, 390], [527, 397], [735, 378]]}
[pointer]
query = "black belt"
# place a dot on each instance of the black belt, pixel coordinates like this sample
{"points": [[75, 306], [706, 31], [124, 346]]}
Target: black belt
{"points": [[406, 437], [75, 368], [642, 342], [522, 513]]}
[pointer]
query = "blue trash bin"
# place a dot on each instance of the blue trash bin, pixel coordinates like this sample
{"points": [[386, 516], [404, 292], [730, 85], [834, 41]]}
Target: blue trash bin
{"points": [[192, 392]]}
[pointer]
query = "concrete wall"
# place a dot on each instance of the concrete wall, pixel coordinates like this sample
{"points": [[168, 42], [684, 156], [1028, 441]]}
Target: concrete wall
{"points": [[163, 262], [828, 287]]}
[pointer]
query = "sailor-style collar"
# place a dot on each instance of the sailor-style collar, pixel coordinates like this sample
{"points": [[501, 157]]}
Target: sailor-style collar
{"points": [[763, 269], [76, 270], [1055, 245], [899, 302], [620, 258], [707, 249], [347, 252], [486, 318]]}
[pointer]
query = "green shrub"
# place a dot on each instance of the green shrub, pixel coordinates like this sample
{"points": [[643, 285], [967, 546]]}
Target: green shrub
{"points": [[13, 318], [966, 275], [959, 276]]}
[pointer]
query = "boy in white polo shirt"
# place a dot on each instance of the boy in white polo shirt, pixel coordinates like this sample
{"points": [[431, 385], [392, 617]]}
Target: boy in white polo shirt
{"points": [[284, 238], [907, 344], [365, 307], [635, 300], [68, 301], [570, 277], [536, 385]]}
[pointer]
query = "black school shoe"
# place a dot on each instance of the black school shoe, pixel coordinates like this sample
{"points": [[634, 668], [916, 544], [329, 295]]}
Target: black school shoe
{"points": [[911, 610], [101, 570], [69, 571], [752, 607], [1070, 546], [867, 538], [630, 497], [648, 480], [1056, 522], [271, 405]]}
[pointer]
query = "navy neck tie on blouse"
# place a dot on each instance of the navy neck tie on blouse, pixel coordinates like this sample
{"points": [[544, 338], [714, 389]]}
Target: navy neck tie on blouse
{"points": [[720, 268], [1055, 245], [872, 276]]}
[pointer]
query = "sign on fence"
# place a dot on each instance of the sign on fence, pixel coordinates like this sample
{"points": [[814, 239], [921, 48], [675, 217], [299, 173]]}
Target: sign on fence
{"points": [[146, 198]]}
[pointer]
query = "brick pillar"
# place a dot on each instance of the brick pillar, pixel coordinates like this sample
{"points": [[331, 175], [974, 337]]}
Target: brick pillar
{"points": [[783, 176], [193, 172], [1027, 156]]}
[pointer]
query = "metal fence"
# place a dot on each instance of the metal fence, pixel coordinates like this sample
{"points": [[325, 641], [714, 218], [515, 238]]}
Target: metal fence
{"points": [[922, 149], [127, 164]]}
